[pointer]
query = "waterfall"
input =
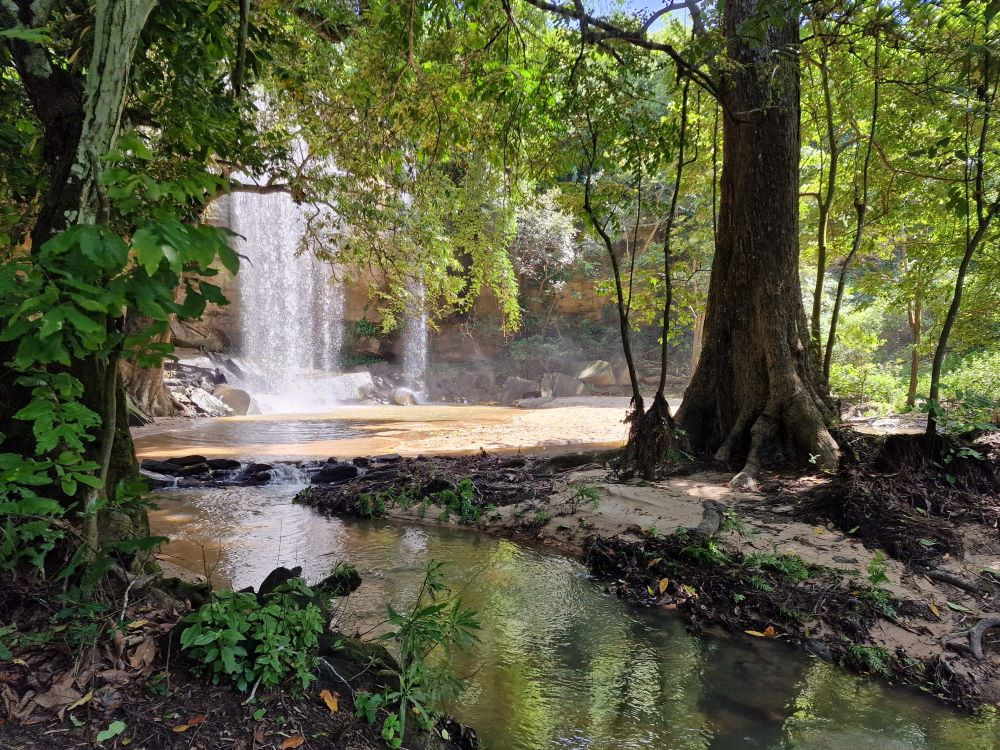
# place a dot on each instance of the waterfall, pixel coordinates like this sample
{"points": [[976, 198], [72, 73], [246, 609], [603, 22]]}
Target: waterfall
{"points": [[415, 340], [291, 314]]}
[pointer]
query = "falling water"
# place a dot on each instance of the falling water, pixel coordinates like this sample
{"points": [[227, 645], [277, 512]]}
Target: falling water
{"points": [[415, 339], [291, 314]]}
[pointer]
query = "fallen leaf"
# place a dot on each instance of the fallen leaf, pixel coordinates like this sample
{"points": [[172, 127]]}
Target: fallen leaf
{"points": [[196, 720], [60, 695], [182, 727], [84, 700], [143, 655], [935, 610], [114, 729], [653, 562], [135, 624], [663, 584], [769, 632], [330, 699], [295, 740], [958, 608]]}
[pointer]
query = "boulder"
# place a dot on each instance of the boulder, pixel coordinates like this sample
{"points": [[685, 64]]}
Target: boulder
{"points": [[223, 463], [515, 388], [598, 372], [188, 460], [161, 467], [352, 386], [404, 397], [235, 398], [206, 403], [154, 480], [332, 473], [559, 385], [620, 370]]}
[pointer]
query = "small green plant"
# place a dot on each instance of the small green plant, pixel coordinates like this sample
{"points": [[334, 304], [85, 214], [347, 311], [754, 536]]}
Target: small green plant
{"points": [[245, 640], [733, 522], [706, 552], [461, 502], [872, 658], [436, 625], [584, 494], [873, 593], [877, 570], [365, 328], [791, 567], [373, 504], [541, 518]]}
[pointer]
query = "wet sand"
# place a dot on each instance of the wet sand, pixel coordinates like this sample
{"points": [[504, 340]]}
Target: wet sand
{"points": [[556, 425]]}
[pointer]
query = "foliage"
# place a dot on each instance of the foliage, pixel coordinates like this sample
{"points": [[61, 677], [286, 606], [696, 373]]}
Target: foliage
{"points": [[425, 637], [583, 494], [245, 640], [792, 567]]}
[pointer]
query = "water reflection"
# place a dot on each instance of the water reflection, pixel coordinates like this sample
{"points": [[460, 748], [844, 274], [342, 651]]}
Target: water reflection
{"points": [[561, 664]]}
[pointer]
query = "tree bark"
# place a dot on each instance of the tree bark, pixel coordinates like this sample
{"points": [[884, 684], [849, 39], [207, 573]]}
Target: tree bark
{"points": [[916, 325], [758, 391]]}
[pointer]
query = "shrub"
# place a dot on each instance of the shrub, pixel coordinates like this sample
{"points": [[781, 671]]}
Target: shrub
{"points": [[244, 639]]}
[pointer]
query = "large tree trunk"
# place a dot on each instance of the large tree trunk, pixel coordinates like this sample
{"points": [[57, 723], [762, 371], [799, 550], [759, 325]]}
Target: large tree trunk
{"points": [[758, 390]]}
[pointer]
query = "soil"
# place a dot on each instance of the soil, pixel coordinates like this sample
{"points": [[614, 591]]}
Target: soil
{"points": [[139, 680]]}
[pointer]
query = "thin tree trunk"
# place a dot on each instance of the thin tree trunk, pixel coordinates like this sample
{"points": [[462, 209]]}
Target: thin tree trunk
{"points": [[861, 209], [984, 217], [916, 325], [827, 196]]}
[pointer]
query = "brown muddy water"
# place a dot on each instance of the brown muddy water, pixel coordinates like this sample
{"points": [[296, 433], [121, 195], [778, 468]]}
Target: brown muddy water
{"points": [[562, 664]]}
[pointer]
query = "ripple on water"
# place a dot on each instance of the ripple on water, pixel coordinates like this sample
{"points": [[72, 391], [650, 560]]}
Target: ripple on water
{"points": [[561, 664]]}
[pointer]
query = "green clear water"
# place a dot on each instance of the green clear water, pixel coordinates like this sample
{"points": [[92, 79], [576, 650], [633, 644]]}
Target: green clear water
{"points": [[562, 664]]}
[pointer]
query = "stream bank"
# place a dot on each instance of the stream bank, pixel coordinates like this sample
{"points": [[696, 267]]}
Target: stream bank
{"points": [[760, 565]]}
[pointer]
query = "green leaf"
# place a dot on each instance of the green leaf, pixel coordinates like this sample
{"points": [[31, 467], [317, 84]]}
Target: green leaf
{"points": [[114, 729], [146, 244], [958, 608]]}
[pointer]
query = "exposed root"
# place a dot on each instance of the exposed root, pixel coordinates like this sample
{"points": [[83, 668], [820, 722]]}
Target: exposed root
{"points": [[904, 494], [650, 440], [974, 635]]}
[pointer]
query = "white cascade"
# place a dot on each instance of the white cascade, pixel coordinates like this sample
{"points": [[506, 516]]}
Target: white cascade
{"points": [[290, 309]]}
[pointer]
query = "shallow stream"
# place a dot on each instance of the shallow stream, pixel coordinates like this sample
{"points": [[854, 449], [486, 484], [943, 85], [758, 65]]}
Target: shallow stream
{"points": [[562, 664]]}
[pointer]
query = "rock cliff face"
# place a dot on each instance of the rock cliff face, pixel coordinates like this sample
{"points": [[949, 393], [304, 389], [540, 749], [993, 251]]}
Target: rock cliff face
{"points": [[458, 338]]}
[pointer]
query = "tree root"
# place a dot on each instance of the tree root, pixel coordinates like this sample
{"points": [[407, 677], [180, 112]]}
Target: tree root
{"points": [[974, 636], [972, 587]]}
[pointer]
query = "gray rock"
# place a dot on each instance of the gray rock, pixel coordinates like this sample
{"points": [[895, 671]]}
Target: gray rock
{"points": [[235, 398], [559, 385], [516, 388], [352, 386], [154, 480], [206, 403], [332, 473], [598, 372], [404, 397]]}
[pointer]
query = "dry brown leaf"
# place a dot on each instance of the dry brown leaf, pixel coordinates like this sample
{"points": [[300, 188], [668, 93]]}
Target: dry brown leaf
{"points": [[60, 695], [295, 740], [653, 562], [196, 720], [143, 655], [330, 699], [935, 610]]}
